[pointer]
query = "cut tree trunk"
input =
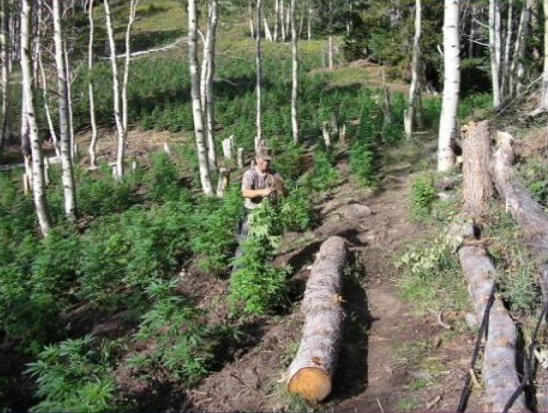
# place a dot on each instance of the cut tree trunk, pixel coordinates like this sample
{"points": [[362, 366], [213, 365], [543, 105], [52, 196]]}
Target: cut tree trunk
{"points": [[224, 181], [477, 186], [529, 214], [311, 372], [499, 364]]}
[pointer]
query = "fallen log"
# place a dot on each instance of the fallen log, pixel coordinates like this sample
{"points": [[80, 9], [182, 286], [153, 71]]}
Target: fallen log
{"points": [[529, 215], [311, 372], [499, 362]]}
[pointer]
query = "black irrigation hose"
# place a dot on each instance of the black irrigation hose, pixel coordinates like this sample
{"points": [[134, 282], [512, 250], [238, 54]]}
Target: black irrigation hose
{"points": [[465, 393], [528, 362]]}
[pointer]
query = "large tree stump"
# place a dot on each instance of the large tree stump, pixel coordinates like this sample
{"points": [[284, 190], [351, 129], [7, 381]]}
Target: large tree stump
{"points": [[311, 372], [477, 186], [499, 364], [528, 214]]}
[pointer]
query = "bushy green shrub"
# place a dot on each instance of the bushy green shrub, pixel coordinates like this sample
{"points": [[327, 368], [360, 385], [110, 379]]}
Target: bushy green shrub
{"points": [[256, 286], [213, 230], [296, 212], [363, 164], [74, 376], [324, 175], [184, 344], [162, 178], [422, 196]]}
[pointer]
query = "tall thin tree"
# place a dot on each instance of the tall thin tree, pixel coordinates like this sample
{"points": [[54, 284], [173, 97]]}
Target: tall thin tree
{"points": [[494, 49], [67, 175], [197, 114], [259, 69], [91, 95], [544, 98], [414, 89], [5, 45], [38, 181], [294, 74], [451, 85]]}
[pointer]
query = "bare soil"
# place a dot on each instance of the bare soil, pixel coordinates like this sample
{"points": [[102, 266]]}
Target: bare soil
{"points": [[377, 369]]}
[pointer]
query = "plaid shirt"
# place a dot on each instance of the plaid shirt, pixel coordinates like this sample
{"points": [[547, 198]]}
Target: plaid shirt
{"points": [[254, 179]]}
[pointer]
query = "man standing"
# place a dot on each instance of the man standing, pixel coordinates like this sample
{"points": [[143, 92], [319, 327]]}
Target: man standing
{"points": [[258, 183]]}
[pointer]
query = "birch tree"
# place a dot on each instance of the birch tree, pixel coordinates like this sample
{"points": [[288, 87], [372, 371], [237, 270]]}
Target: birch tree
{"points": [[451, 85], [197, 114], [39, 190], [330, 36], [93, 144], [207, 77], [517, 69], [507, 47], [258, 65], [5, 45], [67, 175], [414, 89], [544, 98], [120, 92], [295, 75], [494, 49]]}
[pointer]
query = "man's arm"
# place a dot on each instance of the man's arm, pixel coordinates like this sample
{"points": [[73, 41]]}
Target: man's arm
{"points": [[256, 193]]}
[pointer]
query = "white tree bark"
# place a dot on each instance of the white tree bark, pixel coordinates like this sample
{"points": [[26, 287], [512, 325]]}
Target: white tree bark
{"points": [[494, 49], [93, 144], [409, 118], [267, 32], [39, 190], [282, 20], [5, 45], [251, 26], [294, 75], [73, 151], [258, 65], [309, 21], [507, 47], [197, 114], [544, 99], [451, 85], [209, 55], [67, 176], [115, 80], [122, 142], [517, 70], [276, 19]]}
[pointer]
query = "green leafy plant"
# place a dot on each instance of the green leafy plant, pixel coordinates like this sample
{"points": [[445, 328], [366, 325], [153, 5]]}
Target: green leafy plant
{"points": [[296, 212], [324, 175], [74, 375], [423, 195]]}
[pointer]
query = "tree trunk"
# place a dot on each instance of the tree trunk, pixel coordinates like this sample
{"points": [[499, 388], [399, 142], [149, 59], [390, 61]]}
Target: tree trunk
{"points": [[39, 190], [476, 154], [544, 99], [210, 103], [93, 145], [258, 64], [309, 21], [276, 19], [409, 118], [197, 114], [73, 153], [295, 76], [451, 86], [282, 20], [267, 33], [67, 175], [6, 98], [517, 69], [122, 141], [115, 82], [311, 372], [251, 26], [494, 49], [507, 46], [224, 182], [529, 214], [499, 363]]}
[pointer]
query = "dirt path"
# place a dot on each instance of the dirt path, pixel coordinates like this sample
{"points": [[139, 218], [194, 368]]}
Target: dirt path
{"points": [[391, 360]]}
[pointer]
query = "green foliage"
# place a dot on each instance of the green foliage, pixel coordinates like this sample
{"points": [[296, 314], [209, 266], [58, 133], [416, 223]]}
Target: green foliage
{"points": [[295, 211], [520, 289], [162, 178], [535, 176], [324, 175], [256, 286], [432, 276], [363, 164], [184, 347], [74, 376], [422, 196], [213, 230]]}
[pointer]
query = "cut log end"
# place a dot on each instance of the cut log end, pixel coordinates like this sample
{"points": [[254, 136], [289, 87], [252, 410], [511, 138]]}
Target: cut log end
{"points": [[312, 384]]}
